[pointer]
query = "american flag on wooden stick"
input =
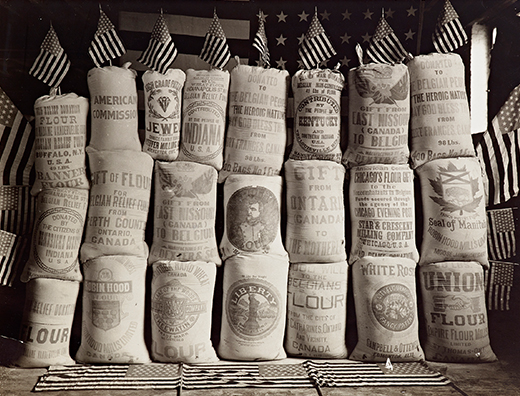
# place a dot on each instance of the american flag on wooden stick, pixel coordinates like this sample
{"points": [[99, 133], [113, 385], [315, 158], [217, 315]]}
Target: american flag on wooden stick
{"points": [[52, 64], [260, 41], [501, 233], [316, 47], [215, 50], [385, 47], [161, 50], [500, 283], [449, 33], [106, 44]]}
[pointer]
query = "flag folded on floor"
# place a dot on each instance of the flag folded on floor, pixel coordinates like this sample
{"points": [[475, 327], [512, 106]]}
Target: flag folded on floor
{"points": [[499, 284], [215, 50], [499, 152], [161, 50], [385, 47], [449, 33], [106, 44], [52, 64], [501, 233], [316, 47], [260, 41]]}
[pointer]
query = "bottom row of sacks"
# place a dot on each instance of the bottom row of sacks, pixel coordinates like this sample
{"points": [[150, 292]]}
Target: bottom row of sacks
{"points": [[270, 309]]}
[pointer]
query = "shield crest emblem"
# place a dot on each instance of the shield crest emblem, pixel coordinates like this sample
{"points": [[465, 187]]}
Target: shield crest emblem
{"points": [[457, 187], [176, 308], [106, 314]]}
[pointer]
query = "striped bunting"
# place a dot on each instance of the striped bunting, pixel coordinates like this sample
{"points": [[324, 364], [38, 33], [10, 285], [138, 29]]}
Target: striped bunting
{"points": [[296, 374], [449, 33], [316, 47], [106, 44]]}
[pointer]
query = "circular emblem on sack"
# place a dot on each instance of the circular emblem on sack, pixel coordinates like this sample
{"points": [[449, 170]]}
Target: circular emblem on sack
{"points": [[252, 219], [253, 309], [163, 103], [393, 307], [176, 308]]}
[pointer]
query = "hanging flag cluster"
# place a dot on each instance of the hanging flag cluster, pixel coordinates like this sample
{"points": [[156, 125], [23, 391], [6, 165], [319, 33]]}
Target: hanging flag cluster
{"points": [[161, 50], [449, 33], [106, 44], [52, 64], [316, 47], [501, 234], [385, 47], [260, 42], [501, 279], [215, 50]]}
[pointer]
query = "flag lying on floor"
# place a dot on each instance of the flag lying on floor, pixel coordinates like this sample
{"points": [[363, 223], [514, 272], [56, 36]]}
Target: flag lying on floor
{"points": [[304, 374]]}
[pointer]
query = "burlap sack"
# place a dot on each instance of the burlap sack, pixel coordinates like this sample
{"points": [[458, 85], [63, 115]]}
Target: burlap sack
{"points": [[204, 116], [455, 223], [162, 115], [182, 301], [382, 212], [386, 310], [440, 125], [113, 108], [315, 211], [256, 134], [184, 212], [317, 114], [252, 212], [454, 303], [113, 311], [57, 235], [317, 310], [119, 203], [378, 115], [254, 308], [59, 143], [47, 321]]}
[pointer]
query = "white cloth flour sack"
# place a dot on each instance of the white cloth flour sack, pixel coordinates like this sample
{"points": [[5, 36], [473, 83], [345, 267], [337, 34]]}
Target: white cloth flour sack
{"points": [[317, 114], [256, 134], [119, 203], [204, 107], [455, 223], [113, 108], [382, 212], [182, 301], [317, 310], [162, 114], [57, 235], [254, 308], [47, 321], [113, 311], [454, 303], [184, 212], [440, 125], [252, 213], [386, 310], [59, 143], [315, 211], [378, 115]]}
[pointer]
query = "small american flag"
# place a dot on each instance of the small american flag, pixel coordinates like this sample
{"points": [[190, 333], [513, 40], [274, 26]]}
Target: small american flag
{"points": [[500, 282], [260, 42], [385, 47], [316, 47], [215, 50], [501, 233], [106, 44], [52, 64], [161, 51], [449, 33]]}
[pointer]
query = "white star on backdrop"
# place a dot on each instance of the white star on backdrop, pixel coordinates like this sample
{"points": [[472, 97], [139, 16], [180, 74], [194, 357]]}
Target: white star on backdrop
{"points": [[281, 40], [303, 16], [281, 17]]}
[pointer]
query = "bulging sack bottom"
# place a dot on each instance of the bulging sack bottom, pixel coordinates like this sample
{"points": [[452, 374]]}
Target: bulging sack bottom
{"points": [[182, 301], [254, 308]]}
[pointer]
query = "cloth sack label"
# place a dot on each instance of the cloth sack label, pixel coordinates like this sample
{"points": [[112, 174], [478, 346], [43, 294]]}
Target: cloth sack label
{"points": [[58, 232], [59, 143], [163, 99], [113, 311], [382, 212], [256, 134], [184, 212], [317, 114], [315, 211], [440, 124], [379, 114], [182, 300], [204, 116], [317, 310], [454, 303]]}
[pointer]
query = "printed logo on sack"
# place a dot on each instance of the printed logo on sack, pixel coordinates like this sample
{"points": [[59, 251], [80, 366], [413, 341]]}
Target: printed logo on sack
{"points": [[456, 190], [253, 309], [184, 186], [106, 314], [176, 308], [393, 307], [456, 303], [163, 104], [252, 219], [375, 83]]}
